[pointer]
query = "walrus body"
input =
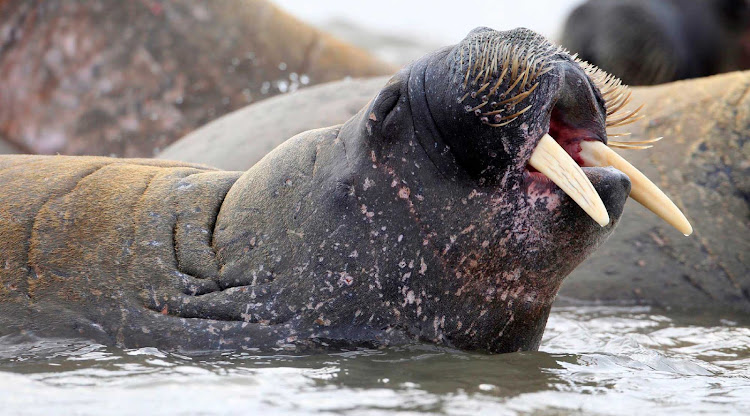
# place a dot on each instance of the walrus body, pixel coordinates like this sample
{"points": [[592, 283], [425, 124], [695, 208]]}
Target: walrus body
{"points": [[81, 236], [646, 42], [415, 220], [702, 161], [127, 78]]}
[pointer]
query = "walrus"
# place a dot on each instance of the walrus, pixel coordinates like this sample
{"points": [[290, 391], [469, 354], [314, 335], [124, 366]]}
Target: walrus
{"points": [[448, 210], [646, 42], [702, 160], [126, 78]]}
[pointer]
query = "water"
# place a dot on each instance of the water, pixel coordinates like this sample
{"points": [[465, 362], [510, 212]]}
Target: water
{"points": [[610, 361]]}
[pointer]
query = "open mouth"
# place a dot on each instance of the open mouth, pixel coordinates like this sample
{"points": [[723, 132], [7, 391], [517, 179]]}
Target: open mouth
{"points": [[501, 72], [559, 159]]}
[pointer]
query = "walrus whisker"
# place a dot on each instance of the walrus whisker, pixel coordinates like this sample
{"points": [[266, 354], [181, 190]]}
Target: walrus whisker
{"points": [[484, 86], [514, 63], [616, 100], [492, 113], [493, 90], [495, 58], [547, 69], [501, 124], [530, 75], [485, 70], [629, 147], [525, 78], [626, 122], [518, 97], [626, 119], [620, 105], [460, 100], [490, 68], [466, 80], [510, 118], [619, 134], [654, 140], [482, 104], [511, 87]]}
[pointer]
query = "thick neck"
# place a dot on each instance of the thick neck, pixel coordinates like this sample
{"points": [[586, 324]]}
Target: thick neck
{"points": [[437, 241]]}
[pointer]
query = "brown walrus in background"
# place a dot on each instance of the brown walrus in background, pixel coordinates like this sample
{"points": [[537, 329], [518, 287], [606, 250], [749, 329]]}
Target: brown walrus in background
{"points": [[646, 42], [126, 78], [702, 162]]}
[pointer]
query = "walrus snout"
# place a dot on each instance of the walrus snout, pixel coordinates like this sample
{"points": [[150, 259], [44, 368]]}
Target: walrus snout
{"points": [[517, 102], [613, 187]]}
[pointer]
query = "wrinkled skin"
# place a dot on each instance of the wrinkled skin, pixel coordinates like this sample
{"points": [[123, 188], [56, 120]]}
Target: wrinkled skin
{"points": [[646, 42], [126, 78], [414, 221]]}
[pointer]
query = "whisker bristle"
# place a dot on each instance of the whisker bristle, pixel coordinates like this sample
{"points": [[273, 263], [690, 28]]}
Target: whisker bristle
{"points": [[629, 147]]}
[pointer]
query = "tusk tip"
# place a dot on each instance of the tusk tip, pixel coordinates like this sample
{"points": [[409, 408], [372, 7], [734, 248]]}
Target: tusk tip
{"points": [[602, 220], [687, 231], [681, 223]]}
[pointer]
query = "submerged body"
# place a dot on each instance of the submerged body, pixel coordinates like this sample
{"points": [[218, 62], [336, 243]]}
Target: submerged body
{"points": [[417, 220]]}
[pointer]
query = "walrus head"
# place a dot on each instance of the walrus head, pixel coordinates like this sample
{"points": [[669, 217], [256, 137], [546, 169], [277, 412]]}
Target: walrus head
{"points": [[490, 113], [449, 210]]}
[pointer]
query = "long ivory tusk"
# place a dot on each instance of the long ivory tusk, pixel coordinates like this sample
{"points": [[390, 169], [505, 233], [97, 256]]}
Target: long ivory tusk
{"points": [[594, 153], [553, 161]]}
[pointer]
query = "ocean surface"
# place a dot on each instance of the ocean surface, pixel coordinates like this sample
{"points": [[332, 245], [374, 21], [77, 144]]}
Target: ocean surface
{"points": [[594, 360]]}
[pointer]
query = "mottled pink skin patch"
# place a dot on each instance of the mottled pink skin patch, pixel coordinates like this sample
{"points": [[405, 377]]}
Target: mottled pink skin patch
{"points": [[540, 190]]}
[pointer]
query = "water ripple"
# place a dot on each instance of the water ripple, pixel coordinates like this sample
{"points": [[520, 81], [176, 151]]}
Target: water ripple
{"points": [[609, 361]]}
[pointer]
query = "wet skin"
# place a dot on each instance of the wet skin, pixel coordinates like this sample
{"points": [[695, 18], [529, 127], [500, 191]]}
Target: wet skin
{"points": [[417, 220]]}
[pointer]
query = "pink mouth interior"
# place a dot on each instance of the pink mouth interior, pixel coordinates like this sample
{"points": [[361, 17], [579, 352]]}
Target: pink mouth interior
{"points": [[569, 138]]}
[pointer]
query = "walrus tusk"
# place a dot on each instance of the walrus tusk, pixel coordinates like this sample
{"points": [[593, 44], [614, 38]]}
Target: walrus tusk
{"points": [[552, 160], [594, 153]]}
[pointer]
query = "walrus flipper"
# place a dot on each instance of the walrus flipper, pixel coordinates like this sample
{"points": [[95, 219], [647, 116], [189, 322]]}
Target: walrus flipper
{"points": [[78, 235]]}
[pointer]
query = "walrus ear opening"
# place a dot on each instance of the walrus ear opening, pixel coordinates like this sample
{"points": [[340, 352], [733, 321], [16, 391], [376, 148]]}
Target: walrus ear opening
{"points": [[384, 110]]}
